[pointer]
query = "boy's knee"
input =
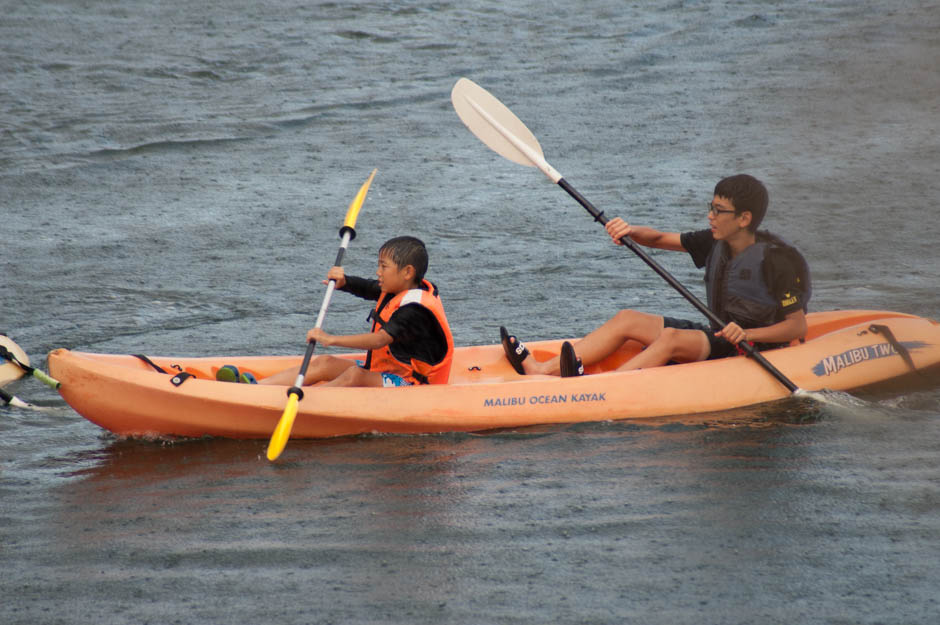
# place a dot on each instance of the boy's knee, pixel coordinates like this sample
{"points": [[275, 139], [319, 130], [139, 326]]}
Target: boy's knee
{"points": [[353, 376], [347, 375], [316, 363], [623, 314], [670, 336], [685, 345], [674, 339], [625, 317]]}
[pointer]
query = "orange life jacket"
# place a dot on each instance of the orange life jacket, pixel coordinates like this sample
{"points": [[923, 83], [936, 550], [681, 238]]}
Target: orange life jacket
{"points": [[415, 371]]}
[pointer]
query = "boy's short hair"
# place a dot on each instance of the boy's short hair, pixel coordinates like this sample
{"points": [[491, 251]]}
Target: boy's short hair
{"points": [[407, 251], [747, 193]]}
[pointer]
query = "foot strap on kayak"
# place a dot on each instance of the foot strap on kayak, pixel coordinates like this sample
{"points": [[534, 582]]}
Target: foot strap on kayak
{"points": [[895, 343], [177, 379], [181, 377], [150, 362]]}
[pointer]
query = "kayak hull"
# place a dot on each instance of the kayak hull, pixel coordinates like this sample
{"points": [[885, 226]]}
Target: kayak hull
{"points": [[844, 351]]}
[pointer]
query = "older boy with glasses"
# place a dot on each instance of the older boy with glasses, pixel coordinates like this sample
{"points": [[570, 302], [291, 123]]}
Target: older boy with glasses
{"points": [[756, 283]]}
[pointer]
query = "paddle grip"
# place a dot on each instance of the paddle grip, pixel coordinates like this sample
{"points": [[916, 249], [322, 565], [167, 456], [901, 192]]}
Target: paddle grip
{"points": [[46, 379], [684, 292]]}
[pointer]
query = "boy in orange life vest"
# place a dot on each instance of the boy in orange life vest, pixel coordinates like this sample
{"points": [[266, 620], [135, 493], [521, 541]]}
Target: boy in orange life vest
{"points": [[410, 342]]}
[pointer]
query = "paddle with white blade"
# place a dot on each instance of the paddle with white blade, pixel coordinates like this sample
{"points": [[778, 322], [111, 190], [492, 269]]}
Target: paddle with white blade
{"points": [[14, 363], [294, 393], [496, 126]]}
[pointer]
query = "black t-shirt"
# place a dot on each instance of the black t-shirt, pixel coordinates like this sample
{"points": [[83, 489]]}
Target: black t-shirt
{"points": [[782, 277], [415, 330]]}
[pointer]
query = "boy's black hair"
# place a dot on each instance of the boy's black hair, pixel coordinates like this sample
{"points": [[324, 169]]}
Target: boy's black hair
{"points": [[747, 193], [407, 251]]}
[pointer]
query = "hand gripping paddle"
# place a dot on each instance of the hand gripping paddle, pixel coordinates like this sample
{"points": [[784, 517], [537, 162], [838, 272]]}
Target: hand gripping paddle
{"points": [[294, 393]]}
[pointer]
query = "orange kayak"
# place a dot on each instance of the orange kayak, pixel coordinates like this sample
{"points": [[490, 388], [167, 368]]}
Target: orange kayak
{"points": [[844, 351]]}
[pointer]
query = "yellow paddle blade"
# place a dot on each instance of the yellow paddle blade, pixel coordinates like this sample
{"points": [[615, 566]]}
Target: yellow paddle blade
{"points": [[282, 431], [353, 213]]}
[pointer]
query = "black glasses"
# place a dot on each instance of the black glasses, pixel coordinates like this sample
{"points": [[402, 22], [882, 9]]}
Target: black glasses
{"points": [[714, 210]]}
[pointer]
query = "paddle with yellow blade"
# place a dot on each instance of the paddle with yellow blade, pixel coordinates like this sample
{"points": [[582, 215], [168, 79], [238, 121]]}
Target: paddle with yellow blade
{"points": [[294, 393], [496, 126]]}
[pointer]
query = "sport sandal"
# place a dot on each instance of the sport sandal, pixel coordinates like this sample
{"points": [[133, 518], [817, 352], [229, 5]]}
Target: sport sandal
{"points": [[227, 373], [515, 350], [569, 362]]}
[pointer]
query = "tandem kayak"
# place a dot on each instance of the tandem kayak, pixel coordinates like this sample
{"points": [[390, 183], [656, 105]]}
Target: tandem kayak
{"points": [[844, 351]]}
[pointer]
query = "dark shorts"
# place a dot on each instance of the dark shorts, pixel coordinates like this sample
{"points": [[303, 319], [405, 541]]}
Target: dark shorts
{"points": [[718, 347]]}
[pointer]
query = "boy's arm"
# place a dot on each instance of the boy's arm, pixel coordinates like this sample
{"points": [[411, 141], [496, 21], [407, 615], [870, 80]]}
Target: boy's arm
{"points": [[644, 235], [792, 327], [369, 340], [354, 285]]}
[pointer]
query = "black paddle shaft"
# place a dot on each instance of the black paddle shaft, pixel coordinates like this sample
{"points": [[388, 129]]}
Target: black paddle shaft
{"points": [[312, 345], [684, 292]]}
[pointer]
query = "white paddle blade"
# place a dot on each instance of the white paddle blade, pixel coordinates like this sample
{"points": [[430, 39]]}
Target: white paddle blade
{"points": [[497, 126], [9, 370]]}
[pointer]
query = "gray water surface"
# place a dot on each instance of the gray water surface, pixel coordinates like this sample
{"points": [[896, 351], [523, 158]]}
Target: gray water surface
{"points": [[173, 179]]}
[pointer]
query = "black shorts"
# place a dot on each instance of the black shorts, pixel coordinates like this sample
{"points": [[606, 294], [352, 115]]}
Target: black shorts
{"points": [[718, 347]]}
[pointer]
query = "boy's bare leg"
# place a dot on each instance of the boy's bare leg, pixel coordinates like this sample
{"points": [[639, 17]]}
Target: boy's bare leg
{"points": [[672, 344], [320, 368], [605, 340], [356, 376]]}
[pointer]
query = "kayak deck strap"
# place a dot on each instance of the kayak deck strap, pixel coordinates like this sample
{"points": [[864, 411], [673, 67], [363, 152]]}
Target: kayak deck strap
{"points": [[150, 362]]}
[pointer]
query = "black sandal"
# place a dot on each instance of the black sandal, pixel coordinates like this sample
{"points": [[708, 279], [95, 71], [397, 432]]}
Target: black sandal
{"points": [[570, 364], [515, 350]]}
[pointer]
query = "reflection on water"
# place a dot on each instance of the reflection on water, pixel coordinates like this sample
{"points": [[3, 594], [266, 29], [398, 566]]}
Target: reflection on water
{"points": [[428, 523], [486, 527]]}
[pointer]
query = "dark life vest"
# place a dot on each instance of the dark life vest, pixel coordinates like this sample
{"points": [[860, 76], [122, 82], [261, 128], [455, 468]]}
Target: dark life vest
{"points": [[738, 288]]}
